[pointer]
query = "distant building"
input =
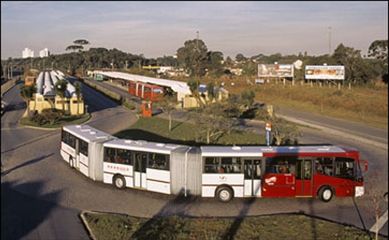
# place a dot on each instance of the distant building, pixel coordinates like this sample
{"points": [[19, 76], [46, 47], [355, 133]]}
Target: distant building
{"points": [[44, 53], [26, 53]]}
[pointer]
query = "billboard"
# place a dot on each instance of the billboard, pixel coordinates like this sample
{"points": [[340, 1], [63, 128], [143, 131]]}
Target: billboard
{"points": [[324, 72], [275, 70]]}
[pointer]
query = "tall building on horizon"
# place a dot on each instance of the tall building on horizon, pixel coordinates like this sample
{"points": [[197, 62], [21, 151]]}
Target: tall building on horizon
{"points": [[44, 53], [26, 53]]}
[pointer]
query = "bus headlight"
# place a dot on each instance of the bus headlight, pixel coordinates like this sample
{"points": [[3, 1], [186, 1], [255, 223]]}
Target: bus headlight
{"points": [[359, 191]]}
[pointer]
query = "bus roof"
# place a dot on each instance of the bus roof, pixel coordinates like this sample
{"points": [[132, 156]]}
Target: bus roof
{"points": [[141, 145], [257, 151], [87, 133]]}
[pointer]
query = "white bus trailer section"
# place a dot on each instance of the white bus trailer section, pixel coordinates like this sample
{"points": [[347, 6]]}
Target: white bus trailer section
{"points": [[138, 164], [82, 149], [231, 171]]}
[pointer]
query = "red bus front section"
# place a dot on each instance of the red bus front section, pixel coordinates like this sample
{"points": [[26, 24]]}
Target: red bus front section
{"points": [[304, 174]]}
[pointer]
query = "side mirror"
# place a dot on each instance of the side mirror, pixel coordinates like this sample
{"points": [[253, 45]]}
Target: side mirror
{"points": [[365, 165]]}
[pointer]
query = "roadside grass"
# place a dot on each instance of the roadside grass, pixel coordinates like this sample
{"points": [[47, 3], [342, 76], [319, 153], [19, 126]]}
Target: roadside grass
{"points": [[157, 129], [67, 120], [359, 104], [283, 226]]}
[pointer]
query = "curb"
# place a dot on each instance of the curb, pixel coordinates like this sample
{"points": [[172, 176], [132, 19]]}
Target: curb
{"points": [[85, 222]]}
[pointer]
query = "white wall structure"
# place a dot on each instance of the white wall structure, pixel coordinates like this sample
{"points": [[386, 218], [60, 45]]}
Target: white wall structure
{"points": [[26, 53], [44, 53]]}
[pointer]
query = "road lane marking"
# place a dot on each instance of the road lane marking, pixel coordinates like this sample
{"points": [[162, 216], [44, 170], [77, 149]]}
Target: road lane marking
{"points": [[380, 223]]}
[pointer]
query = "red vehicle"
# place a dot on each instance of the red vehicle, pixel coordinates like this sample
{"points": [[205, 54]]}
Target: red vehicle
{"points": [[145, 91], [317, 173]]}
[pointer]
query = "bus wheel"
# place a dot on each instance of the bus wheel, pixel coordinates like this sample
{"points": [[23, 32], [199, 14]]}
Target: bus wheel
{"points": [[224, 194], [119, 181], [71, 162], [325, 194]]}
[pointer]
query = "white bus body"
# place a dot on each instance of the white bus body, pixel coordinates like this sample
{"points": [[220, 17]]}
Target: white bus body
{"points": [[81, 148], [208, 171]]}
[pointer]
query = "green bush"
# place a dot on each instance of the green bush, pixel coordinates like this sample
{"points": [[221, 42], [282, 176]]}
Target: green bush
{"points": [[48, 116]]}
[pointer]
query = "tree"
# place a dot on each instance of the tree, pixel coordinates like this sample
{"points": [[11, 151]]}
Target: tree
{"points": [[27, 92], [212, 121], [168, 104], [74, 48], [352, 61], [229, 62], [78, 89], [60, 89], [240, 57], [193, 57], [247, 98], [379, 50], [215, 63], [284, 132], [81, 42]]}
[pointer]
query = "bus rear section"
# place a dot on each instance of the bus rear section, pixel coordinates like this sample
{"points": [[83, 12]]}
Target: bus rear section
{"points": [[81, 148], [322, 172]]}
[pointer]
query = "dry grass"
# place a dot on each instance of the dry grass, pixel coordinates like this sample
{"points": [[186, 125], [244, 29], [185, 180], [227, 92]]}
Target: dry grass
{"points": [[367, 105]]}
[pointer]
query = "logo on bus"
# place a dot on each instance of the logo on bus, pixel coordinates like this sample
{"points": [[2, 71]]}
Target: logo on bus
{"points": [[120, 168], [271, 180]]}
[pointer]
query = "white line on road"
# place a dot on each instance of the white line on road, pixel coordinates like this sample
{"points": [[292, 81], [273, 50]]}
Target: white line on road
{"points": [[380, 223]]}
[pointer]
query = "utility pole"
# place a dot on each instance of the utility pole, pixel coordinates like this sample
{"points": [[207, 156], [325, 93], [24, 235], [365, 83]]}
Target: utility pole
{"points": [[329, 40], [126, 64]]}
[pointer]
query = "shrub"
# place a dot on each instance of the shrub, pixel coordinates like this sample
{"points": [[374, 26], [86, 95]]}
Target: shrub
{"points": [[48, 116]]}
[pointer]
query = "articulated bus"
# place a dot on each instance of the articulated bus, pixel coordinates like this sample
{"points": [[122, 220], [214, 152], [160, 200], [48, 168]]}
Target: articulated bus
{"points": [[222, 172]]}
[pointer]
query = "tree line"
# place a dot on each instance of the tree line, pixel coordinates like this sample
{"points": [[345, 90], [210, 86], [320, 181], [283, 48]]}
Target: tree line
{"points": [[198, 61]]}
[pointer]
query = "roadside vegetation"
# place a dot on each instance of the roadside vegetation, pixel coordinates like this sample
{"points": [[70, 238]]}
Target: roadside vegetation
{"points": [[285, 226], [53, 118]]}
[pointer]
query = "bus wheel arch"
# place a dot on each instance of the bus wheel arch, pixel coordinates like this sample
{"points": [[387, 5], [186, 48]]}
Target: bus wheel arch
{"points": [[224, 193], [326, 193], [119, 181]]}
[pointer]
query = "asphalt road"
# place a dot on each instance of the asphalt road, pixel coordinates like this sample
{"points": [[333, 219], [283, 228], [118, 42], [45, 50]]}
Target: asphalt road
{"points": [[28, 164]]}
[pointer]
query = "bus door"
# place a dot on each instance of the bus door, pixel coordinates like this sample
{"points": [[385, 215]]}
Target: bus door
{"points": [[252, 177], [77, 160], [140, 169], [304, 178]]}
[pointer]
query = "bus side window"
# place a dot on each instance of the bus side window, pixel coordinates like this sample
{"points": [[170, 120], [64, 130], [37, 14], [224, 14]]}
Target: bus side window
{"points": [[211, 165], [344, 167], [109, 155]]}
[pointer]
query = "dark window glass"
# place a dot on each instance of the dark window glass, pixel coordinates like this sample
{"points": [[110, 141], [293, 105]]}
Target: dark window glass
{"points": [[109, 155], [281, 165], [230, 165], [212, 165], [324, 166], [71, 140], [344, 168], [158, 161], [83, 147]]}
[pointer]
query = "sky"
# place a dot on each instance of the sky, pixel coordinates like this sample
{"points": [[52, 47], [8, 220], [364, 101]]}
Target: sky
{"points": [[160, 28]]}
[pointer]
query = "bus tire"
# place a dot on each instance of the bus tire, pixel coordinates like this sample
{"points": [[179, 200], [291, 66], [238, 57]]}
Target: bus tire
{"points": [[71, 162], [325, 193], [224, 193], [119, 181]]}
